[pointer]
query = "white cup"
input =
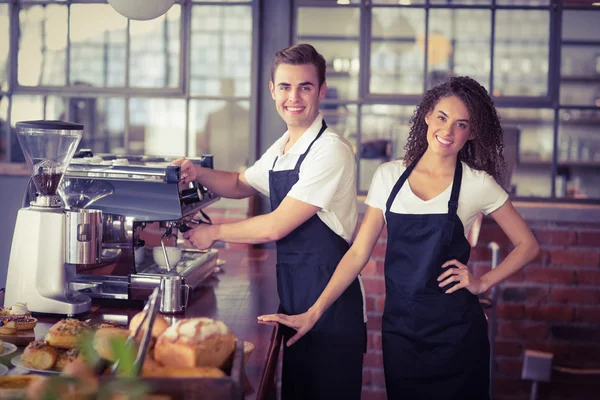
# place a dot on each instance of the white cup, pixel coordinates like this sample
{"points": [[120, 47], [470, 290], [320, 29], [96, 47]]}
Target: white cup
{"points": [[174, 254]]}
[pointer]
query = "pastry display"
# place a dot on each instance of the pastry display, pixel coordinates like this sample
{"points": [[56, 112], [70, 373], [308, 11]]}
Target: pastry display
{"points": [[66, 332], [8, 327], [195, 342], [39, 355]]}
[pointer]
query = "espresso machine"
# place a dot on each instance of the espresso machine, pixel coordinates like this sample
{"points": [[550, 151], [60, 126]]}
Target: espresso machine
{"points": [[95, 220], [142, 203], [36, 268]]}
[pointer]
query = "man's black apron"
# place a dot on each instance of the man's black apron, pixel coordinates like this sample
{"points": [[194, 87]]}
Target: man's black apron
{"points": [[435, 345], [327, 362]]}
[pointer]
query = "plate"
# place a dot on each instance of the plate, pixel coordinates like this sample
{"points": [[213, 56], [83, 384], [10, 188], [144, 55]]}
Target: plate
{"points": [[3, 369], [16, 361], [7, 348]]}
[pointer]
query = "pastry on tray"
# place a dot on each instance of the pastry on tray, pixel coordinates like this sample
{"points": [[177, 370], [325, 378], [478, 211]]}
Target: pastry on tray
{"points": [[65, 333], [39, 355], [66, 357], [8, 327], [195, 342], [103, 338]]}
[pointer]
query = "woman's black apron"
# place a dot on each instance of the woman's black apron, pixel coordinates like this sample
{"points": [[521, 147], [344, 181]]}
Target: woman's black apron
{"points": [[435, 345], [327, 362]]}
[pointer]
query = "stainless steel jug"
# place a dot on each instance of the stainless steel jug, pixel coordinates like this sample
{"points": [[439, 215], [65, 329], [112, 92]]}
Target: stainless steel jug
{"points": [[174, 294]]}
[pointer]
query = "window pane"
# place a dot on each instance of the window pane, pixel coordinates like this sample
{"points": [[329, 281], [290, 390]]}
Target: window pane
{"points": [[3, 128], [528, 148], [220, 128], [384, 131], [342, 119], [335, 33], [459, 44], [463, 2], [24, 108], [581, 25], [578, 154], [221, 48], [4, 32], [521, 53], [42, 44], [530, 3], [580, 62], [155, 45], [582, 94], [397, 51], [98, 35], [157, 126]]}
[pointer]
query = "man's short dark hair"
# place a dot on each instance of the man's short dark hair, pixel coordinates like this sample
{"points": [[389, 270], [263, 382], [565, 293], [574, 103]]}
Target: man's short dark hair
{"points": [[300, 54]]}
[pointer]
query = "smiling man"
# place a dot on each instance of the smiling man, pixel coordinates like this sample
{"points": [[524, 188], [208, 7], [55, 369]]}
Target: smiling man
{"points": [[309, 175]]}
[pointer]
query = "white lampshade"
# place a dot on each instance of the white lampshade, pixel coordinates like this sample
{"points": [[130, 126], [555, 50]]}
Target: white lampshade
{"points": [[141, 10]]}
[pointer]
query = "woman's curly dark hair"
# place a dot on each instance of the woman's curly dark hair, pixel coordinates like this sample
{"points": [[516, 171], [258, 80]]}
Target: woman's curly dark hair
{"points": [[484, 152]]}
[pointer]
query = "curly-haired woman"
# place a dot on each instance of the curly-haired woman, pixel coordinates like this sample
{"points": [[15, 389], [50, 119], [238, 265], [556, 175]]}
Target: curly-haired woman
{"points": [[435, 343]]}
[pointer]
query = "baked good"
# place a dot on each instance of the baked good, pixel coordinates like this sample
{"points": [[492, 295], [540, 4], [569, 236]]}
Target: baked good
{"points": [[4, 311], [159, 326], [109, 325], [22, 322], [8, 327], [39, 355], [194, 372], [66, 332], [20, 308], [195, 342], [18, 386], [103, 339], [66, 357]]}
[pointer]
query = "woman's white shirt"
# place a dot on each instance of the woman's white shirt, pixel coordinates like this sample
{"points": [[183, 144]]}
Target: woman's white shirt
{"points": [[479, 193], [327, 175]]}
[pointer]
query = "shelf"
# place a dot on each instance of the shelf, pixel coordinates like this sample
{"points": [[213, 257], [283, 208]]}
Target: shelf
{"points": [[550, 122]]}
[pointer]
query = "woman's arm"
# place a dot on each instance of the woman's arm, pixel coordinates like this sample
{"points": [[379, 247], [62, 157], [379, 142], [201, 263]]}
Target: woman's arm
{"points": [[347, 270], [526, 249]]}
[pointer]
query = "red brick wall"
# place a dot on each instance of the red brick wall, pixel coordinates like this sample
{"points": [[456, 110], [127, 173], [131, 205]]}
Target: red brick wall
{"points": [[552, 305]]}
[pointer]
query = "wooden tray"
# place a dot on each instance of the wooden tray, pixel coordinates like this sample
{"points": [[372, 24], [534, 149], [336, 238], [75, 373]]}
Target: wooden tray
{"points": [[21, 338], [227, 388]]}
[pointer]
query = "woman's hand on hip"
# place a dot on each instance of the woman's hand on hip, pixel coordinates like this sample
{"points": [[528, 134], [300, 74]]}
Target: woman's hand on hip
{"points": [[461, 274], [302, 323]]}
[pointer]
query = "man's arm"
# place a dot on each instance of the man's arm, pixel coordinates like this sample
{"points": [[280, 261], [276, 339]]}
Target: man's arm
{"points": [[290, 214], [232, 185]]}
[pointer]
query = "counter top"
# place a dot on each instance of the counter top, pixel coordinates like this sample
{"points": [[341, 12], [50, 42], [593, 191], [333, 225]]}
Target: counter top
{"points": [[246, 289]]}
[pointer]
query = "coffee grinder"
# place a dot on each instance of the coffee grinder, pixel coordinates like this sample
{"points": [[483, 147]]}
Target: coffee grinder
{"points": [[45, 233]]}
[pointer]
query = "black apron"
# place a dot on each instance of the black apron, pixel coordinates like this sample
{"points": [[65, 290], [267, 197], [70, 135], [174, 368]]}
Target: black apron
{"points": [[326, 363], [435, 345]]}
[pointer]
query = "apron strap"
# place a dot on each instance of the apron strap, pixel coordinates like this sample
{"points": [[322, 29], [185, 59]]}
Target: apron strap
{"points": [[399, 183], [453, 203], [303, 156], [297, 168]]}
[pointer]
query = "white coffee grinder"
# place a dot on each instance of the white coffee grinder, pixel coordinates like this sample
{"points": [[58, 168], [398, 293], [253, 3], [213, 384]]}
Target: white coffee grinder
{"points": [[43, 231]]}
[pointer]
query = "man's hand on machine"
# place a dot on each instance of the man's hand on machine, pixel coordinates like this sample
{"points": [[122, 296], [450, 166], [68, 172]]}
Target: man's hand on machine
{"points": [[187, 172], [202, 236], [302, 323], [461, 274]]}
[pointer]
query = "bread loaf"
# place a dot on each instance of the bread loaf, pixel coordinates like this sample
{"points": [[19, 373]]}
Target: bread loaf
{"points": [[39, 355], [103, 341], [66, 332], [195, 342]]}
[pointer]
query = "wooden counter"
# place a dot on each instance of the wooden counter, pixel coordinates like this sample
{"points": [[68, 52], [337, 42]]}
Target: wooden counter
{"points": [[246, 289]]}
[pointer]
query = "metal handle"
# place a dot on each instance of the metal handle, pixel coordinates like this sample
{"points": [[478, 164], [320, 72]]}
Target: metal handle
{"points": [[186, 294]]}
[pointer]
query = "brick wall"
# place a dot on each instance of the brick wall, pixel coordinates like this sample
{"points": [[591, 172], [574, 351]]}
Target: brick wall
{"points": [[551, 305]]}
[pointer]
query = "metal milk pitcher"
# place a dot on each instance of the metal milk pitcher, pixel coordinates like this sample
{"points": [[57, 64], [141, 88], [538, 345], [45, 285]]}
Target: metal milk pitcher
{"points": [[174, 294]]}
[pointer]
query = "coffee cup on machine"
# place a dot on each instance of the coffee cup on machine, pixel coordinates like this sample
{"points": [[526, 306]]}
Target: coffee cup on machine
{"points": [[173, 253]]}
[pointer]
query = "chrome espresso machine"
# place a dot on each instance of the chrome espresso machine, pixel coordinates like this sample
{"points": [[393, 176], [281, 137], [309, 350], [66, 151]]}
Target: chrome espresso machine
{"points": [[112, 210]]}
